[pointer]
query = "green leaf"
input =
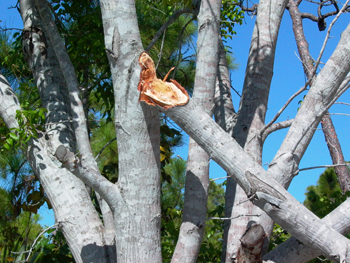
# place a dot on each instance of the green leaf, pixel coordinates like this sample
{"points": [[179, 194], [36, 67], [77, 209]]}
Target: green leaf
{"points": [[14, 136]]}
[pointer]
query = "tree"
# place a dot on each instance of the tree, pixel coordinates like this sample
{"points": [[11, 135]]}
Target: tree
{"points": [[324, 197], [61, 157]]}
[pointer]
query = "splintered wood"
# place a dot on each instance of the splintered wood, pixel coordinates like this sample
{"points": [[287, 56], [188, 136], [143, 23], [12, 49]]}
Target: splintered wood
{"points": [[159, 92]]}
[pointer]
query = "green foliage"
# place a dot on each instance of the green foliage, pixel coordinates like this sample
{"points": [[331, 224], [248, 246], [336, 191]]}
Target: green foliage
{"points": [[103, 139], [279, 235], [17, 230], [326, 195], [29, 121], [169, 139], [172, 192], [80, 23], [172, 50], [230, 15], [211, 247], [51, 249], [172, 205], [13, 65]]}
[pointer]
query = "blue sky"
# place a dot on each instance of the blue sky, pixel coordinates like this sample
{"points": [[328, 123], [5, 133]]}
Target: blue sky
{"points": [[288, 78]]}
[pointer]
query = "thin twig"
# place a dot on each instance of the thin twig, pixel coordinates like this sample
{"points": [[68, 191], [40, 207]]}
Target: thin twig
{"points": [[230, 218], [219, 178], [344, 114], [226, 218], [36, 239], [104, 147], [161, 49], [275, 127], [180, 45], [327, 36], [343, 103], [165, 25], [7, 29], [321, 166], [284, 107]]}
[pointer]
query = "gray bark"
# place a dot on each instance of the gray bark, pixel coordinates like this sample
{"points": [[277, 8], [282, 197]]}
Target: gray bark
{"points": [[265, 192], [226, 117], [324, 91], [251, 117], [336, 153], [224, 111], [330, 83], [197, 174], [9, 103], [294, 249], [82, 228], [326, 122], [137, 218], [135, 199]]}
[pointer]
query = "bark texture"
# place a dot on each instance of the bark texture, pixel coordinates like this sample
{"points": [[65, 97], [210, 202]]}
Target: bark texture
{"points": [[252, 244], [325, 88], [336, 153], [294, 249], [293, 245], [326, 122], [138, 216], [226, 117], [251, 117], [197, 174], [263, 190], [82, 228]]}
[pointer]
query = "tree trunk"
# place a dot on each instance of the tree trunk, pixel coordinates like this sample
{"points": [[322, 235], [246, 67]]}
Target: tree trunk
{"points": [[326, 122], [251, 117], [138, 216], [226, 117], [264, 191], [197, 175], [73, 209]]}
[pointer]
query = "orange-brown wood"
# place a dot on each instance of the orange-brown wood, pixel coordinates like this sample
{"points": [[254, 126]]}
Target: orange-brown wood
{"points": [[159, 92]]}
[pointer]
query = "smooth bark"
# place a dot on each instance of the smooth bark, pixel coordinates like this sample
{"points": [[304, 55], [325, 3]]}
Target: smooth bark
{"points": [[82, 228], [339, 219], [138, 216], [328, 129], [226, 117], [294, 248], [330, 83], [251, 116], [197, 172], [262, 189]]}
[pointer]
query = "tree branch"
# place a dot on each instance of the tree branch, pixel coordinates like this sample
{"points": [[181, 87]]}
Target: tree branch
{"points": [[339, 219], [327, 35], [171, 19], [264, 191], [88, 170], [275, 127]]}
